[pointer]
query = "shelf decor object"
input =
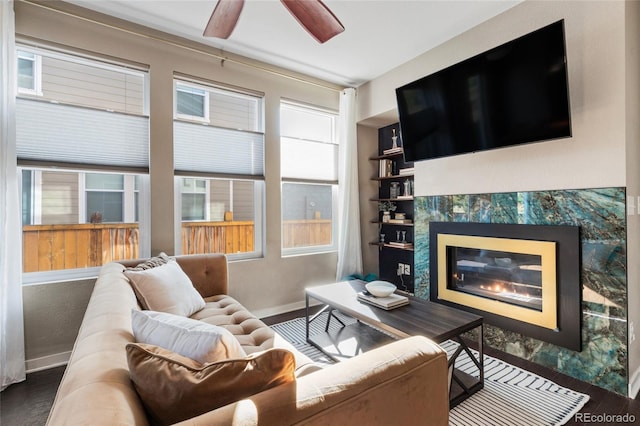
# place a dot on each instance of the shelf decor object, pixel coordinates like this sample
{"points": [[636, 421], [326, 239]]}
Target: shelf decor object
{"points": [[407, 188]]}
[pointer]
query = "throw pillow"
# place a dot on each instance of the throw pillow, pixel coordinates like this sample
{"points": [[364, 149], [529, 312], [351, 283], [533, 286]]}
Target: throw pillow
{"points": [[175, 388], [194, 339], [166, 288], [158, 260], [152, 262]]}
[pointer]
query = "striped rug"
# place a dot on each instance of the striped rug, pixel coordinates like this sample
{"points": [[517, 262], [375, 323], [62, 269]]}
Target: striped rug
{"points": [[511, 396]]}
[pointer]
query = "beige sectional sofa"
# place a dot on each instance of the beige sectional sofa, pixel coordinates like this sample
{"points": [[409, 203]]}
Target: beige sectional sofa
{"points": [[401, 383]]}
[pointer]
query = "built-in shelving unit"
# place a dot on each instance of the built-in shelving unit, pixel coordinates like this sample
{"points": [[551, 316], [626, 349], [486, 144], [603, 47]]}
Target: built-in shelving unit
{"points": [[395, 234]]}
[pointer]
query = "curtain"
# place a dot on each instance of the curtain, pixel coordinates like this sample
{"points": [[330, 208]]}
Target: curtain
{"points": [[349, 248], [12, 362]]}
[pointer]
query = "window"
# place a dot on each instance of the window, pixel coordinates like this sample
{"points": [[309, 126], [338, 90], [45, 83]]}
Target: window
{"points": [[309, 163], [194, 199], [105, 198], [83, 151], [29, 73], [82, 228], [192, 102], [221, 209], [220, 216]]}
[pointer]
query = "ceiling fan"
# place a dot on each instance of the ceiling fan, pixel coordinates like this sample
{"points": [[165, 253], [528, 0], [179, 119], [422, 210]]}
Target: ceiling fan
{"points": [[313, 15]]}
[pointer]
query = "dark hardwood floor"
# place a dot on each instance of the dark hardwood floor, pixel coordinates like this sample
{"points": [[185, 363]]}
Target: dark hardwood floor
{"points": [[29, 402]]}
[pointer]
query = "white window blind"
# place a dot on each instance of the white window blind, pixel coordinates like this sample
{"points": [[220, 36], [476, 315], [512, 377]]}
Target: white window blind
{"points": [[309, 148], [53, 133], [88, 112], [200, 148], [231, 141]]}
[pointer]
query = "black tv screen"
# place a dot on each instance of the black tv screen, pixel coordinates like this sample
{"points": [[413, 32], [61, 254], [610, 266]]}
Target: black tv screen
{"points": [[513, 94]]}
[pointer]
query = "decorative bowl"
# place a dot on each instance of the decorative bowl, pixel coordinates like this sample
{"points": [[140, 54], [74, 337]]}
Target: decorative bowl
{"points": [[380, 288]]}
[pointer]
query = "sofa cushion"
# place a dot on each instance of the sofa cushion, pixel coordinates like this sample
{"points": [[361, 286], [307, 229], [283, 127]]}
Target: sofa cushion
{"points": [[175, 388], [252, 334], [197, 340], [166, 288]]}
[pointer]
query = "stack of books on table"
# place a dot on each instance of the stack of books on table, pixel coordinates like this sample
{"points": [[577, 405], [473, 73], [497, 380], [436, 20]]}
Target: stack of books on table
{"points": [[390, 302]]}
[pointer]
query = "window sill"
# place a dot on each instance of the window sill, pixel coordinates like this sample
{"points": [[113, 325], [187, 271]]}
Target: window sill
{"points": [[308, 251], [65, 275]]}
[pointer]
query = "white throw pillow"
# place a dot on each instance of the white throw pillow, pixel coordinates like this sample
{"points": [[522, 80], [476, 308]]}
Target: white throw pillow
{"points": [[166, 288], [194, 339]]}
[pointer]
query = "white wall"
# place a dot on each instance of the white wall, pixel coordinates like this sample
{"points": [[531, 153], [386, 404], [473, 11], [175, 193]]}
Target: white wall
{"points": [[593, 157]]}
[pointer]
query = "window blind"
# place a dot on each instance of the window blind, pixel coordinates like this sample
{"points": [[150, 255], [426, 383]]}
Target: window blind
{"points": [[209, 149], [309, 148], [232, 143], [84, 112], [302, 159], [49, 133]]}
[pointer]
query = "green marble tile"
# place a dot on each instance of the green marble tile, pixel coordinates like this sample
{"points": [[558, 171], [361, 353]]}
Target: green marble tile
{"points": [[504, 207], [601, 215]]}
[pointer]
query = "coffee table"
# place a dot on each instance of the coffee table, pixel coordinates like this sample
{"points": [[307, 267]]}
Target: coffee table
{"points": [[435, 321]]}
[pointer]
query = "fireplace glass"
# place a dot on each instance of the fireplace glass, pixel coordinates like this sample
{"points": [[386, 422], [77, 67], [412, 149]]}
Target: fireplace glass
{"points": [[513, 278]]}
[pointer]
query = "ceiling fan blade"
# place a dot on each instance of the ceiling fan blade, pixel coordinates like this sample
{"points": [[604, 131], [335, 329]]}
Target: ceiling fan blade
{"points": [[315, 17], [224, 18]]}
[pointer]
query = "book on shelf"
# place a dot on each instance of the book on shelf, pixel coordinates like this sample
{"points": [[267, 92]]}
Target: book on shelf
{"points": [[406, 171], [400, 221], [390, 302], [397, 150], [404, 197], [400, 244], [386, 168]]}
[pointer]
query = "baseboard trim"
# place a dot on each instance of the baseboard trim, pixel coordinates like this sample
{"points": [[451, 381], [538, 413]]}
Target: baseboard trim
{"points": [[634, 384], [277, 310], [47, 362]]}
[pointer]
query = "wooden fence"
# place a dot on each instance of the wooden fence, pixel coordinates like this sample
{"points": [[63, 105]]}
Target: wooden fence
{"points": [[55, 247], [302, 233], [217, 237]]}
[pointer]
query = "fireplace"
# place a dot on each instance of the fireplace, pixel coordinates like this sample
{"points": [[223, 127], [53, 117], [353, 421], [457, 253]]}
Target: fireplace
{"points": [[524, 278]]}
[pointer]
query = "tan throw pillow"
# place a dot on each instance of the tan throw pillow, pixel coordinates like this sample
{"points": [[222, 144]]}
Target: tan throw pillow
{"points": [[175, 388], [152, 262], [166, 288], [188, 337]]}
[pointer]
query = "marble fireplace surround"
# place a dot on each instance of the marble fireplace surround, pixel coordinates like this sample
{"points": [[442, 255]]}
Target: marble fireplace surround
{"points": [[600, 213]]}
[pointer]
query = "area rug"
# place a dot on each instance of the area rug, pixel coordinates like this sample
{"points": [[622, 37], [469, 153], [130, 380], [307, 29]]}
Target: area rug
{"points": [[511, 395]]}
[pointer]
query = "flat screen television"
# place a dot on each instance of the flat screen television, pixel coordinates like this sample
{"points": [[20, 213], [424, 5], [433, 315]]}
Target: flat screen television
{"points": [[513, 94]]}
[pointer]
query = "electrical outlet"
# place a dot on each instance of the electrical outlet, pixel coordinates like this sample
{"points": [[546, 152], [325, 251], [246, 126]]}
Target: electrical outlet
{"points": [[400, 269], [407, 269]]}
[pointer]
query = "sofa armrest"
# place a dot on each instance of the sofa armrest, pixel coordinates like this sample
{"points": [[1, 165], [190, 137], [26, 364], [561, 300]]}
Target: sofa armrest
{"points": [[404, 382]]}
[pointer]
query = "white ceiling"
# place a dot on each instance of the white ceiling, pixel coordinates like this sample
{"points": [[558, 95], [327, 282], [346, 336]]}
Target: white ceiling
{"points": [[379, 34]]}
